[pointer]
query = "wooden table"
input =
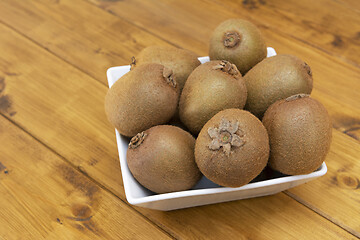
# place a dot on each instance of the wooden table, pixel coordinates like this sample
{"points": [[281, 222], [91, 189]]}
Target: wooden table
{"points": [[60, 176]]}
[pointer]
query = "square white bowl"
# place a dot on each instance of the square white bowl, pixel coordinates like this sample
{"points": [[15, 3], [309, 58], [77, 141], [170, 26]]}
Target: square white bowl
{"points": [[205, 192]]}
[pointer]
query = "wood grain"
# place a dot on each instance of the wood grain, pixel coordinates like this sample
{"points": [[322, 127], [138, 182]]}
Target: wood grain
{"points": [[178, 16], [59, 104], [24, 18], [271, 217], [74, 207], [307, 21], [68, 116], [337, 191], [97, 41], [43, 197], [63, 108], [352, 4]]}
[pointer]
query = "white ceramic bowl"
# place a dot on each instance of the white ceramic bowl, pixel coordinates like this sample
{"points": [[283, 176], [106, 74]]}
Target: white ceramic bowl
{"points": [[205, 191]]}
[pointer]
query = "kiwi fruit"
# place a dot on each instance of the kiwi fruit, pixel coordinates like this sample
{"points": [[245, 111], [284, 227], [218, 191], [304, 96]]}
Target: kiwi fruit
{"points": [[181, 61], [162, 159], [276, 78], [144, 97], [210, 88], [239, 42], [232, 148], [299, 130]]}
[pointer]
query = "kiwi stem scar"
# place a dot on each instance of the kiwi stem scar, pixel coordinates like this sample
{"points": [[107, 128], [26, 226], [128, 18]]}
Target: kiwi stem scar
{"points": [[231, 39], [227, 67], [225, 136], [137, 140]]}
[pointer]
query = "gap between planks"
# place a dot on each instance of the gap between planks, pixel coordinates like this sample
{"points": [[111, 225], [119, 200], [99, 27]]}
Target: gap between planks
{"points": [[171, 235], [345, 130], [308, 44], [71, 64], [321, 213]]}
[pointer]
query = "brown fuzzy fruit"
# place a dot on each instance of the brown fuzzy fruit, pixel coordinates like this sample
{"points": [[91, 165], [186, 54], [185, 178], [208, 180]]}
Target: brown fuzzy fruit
{"points": [[276, 78], [162, 159], [210, 88], [181, 61], [299, 130], [239, 42], [232, 148], [142, 98]]}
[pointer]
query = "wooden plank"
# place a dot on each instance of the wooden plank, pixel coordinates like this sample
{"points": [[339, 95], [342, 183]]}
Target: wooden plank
{"points": [[308, 21], [318, 23], [68, 116], [271, 217], [335, 196], [59, 104], [352, 4], [108, 40], [43, 197], [63, 124], [43, 22], [55, 201], [340, 185]]}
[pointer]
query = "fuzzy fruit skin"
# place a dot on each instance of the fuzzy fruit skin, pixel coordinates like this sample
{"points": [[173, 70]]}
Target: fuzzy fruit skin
{"points": [[250, 50], [245, 162], [276, 78], [181, 61], [207, 92], [164, 161], [300, 135], [141, 99]]}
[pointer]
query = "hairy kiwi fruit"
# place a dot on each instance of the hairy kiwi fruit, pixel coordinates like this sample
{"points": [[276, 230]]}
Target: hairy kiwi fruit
{"points": [[162, 159], [181, 61], [142, 98], [299, 130], [210, 88], [276, 78], [232, 148], [239, 42]]}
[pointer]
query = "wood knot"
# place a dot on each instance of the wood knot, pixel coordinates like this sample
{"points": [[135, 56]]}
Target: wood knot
{"points": [[81, 212], [252, 4], [346, 180], [5, 100], [337, 42], [2, 167], [2, 84]]}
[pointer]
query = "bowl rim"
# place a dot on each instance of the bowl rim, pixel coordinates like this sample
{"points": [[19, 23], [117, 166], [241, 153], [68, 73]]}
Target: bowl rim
{"points": [[209, 191]]}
